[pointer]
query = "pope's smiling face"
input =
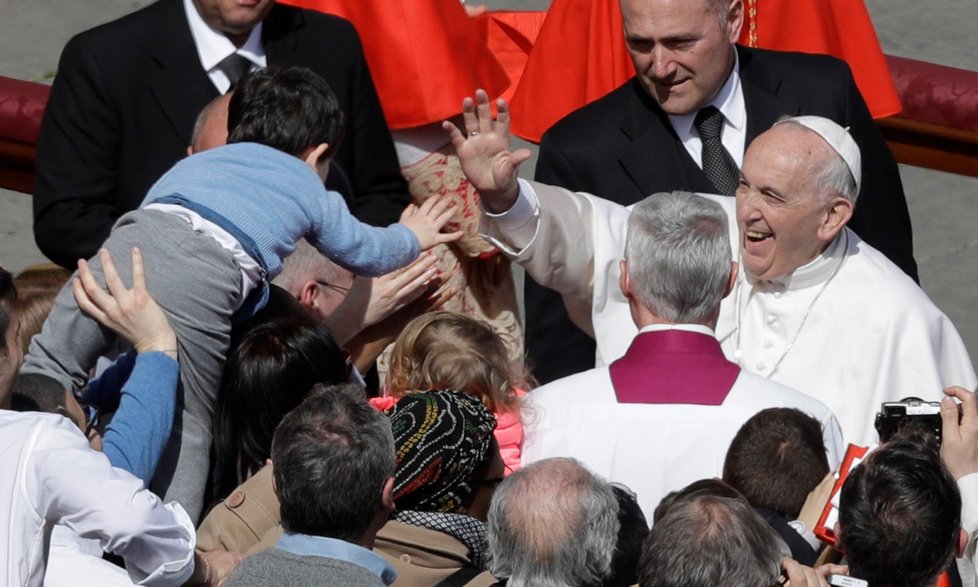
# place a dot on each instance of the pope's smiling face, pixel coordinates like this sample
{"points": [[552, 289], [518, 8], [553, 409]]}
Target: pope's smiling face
{"points": [[784, 222], [682, 50]]}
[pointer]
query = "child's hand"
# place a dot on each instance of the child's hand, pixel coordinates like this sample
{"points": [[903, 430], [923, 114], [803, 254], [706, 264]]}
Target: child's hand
{"points": [[427, 220]]}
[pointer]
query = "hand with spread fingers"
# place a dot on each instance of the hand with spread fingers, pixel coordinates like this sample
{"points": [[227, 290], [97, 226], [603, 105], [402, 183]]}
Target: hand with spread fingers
{"points": [[427, 220], [132, 313], [484, 152], [959, 435]]}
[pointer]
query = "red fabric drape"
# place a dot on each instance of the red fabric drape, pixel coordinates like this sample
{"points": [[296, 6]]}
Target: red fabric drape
{"points": [[424, 55]]}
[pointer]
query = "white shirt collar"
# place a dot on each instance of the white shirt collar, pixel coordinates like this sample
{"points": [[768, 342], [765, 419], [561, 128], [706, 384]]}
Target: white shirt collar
{"points": [[816, 271], [213, 46], [729, 100], [698, 328]]}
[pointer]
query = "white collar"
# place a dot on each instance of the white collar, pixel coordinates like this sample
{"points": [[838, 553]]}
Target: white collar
{"points": [[698, 328], [213, 46], [729, 101], [812, 273]]}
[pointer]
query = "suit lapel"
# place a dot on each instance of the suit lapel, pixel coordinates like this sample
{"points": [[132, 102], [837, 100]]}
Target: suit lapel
{"points": [[652, 159], [761, 95], [180, 85], [280, 43]]}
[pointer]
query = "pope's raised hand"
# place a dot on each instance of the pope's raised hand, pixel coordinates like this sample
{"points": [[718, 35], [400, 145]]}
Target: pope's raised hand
{"points": [[484, 152]]}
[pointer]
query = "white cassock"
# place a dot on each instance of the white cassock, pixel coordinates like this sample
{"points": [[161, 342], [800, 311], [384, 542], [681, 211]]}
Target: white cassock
{"points": [[653, 448], [50, 475], [872, 336]]}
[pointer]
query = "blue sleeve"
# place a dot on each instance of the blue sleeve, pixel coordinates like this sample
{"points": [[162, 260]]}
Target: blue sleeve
{"points": [[361, 248], [138, 433], [104, 391]]}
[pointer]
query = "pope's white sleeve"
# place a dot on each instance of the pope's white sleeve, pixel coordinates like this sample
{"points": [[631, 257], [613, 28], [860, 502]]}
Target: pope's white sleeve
{"points": [[69, 483], [515, 229]]}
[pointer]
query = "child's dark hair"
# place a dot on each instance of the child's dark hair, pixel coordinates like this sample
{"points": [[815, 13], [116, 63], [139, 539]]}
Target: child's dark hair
{"points": [[289, 108]]}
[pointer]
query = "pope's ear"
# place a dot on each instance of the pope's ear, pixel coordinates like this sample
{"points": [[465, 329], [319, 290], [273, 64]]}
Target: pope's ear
{"points": [[837, 215]]}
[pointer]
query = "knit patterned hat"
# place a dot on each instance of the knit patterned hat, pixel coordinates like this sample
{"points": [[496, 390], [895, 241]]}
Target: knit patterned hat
{"points": [[440, 437]]}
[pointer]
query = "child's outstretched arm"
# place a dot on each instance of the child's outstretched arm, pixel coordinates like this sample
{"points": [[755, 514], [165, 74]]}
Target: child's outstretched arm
{"points": [[427, 220]]}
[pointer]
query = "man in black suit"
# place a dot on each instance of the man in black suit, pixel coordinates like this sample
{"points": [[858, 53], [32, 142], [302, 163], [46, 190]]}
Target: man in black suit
{"points": [[643, 138], [123, 106]]}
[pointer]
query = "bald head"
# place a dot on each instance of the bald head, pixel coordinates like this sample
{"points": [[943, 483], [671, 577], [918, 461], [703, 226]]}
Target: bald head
{"points": [[211, 128], [553, 521]]}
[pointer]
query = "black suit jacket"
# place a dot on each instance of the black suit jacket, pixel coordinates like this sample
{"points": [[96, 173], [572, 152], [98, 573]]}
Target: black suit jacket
{"points": [[623, 148], [123, 106]]}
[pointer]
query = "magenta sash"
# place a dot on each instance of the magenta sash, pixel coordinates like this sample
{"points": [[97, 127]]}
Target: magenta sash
{"points": [[673, 367]]}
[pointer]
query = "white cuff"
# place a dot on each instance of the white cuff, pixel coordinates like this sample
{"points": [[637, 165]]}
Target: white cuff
{"points": [[514, 229]]}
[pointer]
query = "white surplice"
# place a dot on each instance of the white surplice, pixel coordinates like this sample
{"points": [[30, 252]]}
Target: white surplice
{"points": [[873, 335], [652, 448]]}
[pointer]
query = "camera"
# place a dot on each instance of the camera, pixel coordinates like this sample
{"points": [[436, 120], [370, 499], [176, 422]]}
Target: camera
{"points": [[909, 413]]}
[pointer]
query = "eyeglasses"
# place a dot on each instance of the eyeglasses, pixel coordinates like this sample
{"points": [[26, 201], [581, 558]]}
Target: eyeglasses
{"points": [[334, 287]]}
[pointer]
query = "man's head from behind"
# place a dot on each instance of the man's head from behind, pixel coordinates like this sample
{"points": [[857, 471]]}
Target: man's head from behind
{"points": [[683, 50], [290, 108], [776, 459], [710, 540], [11, 354], [798, 188], [333, 462], [553, 523], [677, 259], [899, 517]]}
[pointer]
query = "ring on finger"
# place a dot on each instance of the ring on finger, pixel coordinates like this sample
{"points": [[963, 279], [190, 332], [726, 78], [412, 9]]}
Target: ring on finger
{"points": [[473, 133]]}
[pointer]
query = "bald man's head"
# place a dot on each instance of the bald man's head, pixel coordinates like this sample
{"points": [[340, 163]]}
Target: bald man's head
{"points": [[211, 128]]}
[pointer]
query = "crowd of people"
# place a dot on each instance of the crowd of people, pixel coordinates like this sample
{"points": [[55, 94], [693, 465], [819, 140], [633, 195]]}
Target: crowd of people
{"points": [[283, 349]]}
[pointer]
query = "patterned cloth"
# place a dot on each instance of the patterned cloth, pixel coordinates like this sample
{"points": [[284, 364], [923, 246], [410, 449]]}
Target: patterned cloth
{"points": [[440, 437], [466, 529]]}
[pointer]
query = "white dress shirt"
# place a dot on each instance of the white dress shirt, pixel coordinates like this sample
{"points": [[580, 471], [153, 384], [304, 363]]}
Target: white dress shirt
{"points": [[213, 47], [730, 102], [51, 476]]}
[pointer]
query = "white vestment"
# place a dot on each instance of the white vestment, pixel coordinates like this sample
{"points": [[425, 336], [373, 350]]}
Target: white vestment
{"points": [[51, 476], [652, 448], [872, 336]]}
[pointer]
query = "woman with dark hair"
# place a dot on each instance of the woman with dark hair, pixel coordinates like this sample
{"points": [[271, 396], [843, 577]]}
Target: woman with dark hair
{"points": [[269, 371]]}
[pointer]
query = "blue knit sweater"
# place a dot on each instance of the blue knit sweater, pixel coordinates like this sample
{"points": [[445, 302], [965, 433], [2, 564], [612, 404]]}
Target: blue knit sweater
{"points": [[275, 199]]}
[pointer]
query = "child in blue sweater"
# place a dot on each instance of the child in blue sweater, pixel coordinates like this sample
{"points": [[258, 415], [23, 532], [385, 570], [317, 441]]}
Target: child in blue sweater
{"points": [[213, 231]]}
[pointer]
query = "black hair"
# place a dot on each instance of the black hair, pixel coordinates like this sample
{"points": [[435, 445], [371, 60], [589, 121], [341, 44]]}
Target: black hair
{"points": [[268, 373], [777, 457], [331, 457], [899, 512], [289, 108], [632, 530], [33, 392]]}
